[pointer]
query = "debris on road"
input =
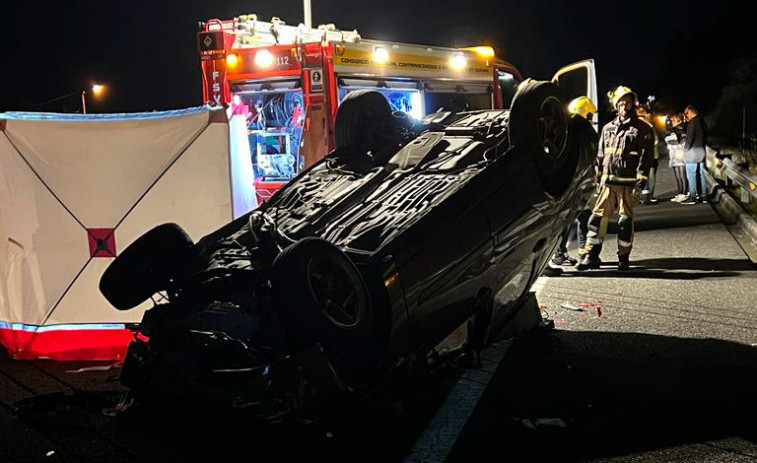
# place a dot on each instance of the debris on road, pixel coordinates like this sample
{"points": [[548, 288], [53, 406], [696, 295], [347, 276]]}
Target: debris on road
{"points": [[570, 306], [56, 409], [543, 311], [94, 368], [583, 307], [122, 406], [68, 409], [557, 422], [543, 422]]}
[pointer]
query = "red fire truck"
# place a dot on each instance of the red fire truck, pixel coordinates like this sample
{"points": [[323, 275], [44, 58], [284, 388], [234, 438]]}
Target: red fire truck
{"points": [[283, 83]]}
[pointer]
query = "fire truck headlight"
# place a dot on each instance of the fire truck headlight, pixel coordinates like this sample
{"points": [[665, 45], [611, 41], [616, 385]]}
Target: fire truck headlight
{"points": [[232, 59], [263, 58], [458, 61], [380, 55]]}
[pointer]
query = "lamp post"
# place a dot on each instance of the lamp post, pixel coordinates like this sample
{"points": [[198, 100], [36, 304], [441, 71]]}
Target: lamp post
{"points": [[308, 13], [96, 89]]}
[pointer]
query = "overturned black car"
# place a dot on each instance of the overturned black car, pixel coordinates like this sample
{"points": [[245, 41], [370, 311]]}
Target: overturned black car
{"points": [[369, 258]]}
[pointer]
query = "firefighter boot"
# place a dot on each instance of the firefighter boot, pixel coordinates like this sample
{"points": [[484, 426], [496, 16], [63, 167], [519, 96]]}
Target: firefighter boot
{"points": [[589, 261], [623, 262]]}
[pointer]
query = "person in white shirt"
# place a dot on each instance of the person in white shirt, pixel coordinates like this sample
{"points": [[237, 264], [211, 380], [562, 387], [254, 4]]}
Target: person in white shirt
{"points": [[675, 141]]}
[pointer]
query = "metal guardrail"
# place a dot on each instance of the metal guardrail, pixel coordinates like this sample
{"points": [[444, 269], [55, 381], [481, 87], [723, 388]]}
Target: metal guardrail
{"points": [[727, 170]]}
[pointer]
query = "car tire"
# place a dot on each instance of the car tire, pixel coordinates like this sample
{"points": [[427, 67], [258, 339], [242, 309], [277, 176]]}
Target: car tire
{"points": [[146, 266], [322, 298], [357, 118], [582, 144], [539, 122]]}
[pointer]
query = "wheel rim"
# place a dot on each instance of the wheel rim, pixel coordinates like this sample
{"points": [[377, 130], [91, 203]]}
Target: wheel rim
{"points": [[332, 289], [552, 127]]}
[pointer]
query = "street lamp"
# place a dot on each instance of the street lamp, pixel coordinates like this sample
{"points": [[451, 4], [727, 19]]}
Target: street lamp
{"points": [[97, 91]]}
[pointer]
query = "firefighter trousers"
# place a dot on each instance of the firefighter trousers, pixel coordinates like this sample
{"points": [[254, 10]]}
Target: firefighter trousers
{"points": [[612, 198]]}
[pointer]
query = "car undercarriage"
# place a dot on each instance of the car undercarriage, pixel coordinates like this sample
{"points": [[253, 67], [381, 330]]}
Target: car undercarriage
{"points": [[371, 257]]}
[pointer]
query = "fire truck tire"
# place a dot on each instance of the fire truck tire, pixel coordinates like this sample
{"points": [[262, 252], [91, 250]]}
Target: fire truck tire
{"points": [[146, 266], [322, 298], [539, 120], [358, 116]]}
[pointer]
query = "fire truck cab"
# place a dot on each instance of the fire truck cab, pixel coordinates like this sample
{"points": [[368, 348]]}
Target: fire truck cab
{"points": [[282, 85]]}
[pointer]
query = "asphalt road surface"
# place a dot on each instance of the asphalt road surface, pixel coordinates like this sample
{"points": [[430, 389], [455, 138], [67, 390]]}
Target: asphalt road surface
{"points": [[658, 363]]}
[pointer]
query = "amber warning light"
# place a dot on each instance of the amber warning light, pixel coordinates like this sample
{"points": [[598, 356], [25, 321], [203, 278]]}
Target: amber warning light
{"points": [[482, 51]]}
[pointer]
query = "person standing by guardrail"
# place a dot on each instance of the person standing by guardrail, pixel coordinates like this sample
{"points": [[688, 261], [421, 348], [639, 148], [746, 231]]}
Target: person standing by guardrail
{"points": [[694, 155], [675, 140]]}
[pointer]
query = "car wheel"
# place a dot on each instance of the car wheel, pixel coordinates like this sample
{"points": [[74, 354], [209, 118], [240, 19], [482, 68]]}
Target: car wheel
{"points": [[582, 144], [322, 298], [358, 117], [539, 121], [146, 266]]}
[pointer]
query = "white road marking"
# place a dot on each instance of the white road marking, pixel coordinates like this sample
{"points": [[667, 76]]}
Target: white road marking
{"points": [[442, 432]]}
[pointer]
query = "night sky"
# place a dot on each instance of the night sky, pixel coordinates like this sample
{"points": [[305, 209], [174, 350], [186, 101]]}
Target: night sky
{"points": [[146, 51]]}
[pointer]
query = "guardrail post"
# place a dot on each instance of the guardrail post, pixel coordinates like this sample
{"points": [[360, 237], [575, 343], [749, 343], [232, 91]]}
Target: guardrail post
{"points": [[736, 175]]}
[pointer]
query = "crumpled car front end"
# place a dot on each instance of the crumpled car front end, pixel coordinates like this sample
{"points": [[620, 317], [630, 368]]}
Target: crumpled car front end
{"points": [[215, 371], [218, 340]]}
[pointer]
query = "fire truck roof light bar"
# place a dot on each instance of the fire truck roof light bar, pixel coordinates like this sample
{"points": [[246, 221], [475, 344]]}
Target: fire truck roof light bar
{"points": [[249, 32]]}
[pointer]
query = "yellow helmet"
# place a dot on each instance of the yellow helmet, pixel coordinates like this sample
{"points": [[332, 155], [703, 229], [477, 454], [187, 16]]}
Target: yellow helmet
{"points": [[618, 93], [582, 106]]}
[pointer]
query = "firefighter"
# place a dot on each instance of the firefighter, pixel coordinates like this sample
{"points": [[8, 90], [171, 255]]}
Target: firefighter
{"points": [[625, 155], [585, 108]]}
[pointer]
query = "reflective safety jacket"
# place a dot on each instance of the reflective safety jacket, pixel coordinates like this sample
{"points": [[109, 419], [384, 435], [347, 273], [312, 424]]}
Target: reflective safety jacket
{"points": [[626, 151]]}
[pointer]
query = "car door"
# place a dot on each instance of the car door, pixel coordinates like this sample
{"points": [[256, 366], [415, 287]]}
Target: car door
{"points": [[506, 79], [314, 145], [579, 79]]}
